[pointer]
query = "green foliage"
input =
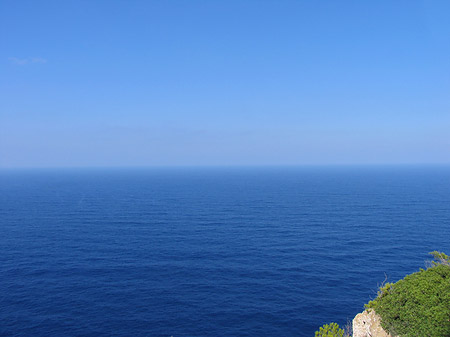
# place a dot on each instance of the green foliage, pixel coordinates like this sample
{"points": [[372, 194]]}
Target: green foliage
{"points": [[440, 258], [330, 330], [384, 290], [418, 305]]}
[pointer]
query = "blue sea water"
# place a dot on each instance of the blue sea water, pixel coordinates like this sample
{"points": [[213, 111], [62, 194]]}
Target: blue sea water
{"points": [[209, 252]]}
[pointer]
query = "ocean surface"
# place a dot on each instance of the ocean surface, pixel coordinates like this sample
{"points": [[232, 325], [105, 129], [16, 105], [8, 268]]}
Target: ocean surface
{"points": [[209, 252]]}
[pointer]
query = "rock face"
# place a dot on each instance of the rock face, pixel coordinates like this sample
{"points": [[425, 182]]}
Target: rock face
{"points": [[367, 324]]}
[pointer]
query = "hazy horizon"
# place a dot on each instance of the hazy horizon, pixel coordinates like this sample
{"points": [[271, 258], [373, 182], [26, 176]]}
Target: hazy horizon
{"points": [[200, 166]]}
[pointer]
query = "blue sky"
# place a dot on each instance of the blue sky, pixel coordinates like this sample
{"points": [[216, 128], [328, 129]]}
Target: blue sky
{"points": [[144, 83]]}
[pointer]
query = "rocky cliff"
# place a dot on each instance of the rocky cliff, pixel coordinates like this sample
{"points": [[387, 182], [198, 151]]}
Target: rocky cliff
{"points": [[367, 324]]}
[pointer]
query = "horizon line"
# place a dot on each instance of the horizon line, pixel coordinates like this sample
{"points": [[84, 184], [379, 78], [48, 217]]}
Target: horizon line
{"points": [[191, 166]]}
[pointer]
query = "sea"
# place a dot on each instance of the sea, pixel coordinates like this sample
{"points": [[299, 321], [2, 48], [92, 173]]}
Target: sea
{"points": [[219, 251]]}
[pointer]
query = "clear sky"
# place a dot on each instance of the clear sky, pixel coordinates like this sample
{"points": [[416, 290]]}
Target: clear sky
{"points": [[143, 83]]}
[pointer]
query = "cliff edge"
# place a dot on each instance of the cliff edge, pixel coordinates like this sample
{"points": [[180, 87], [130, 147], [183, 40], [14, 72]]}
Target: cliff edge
{"points": [[367, 324]]}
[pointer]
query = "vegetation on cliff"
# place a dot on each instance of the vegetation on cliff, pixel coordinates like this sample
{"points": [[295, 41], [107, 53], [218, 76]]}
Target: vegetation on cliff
{"points": [[419, 304], [330, 330]]}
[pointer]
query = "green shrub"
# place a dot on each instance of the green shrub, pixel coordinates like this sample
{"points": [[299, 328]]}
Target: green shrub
{"points": [[440, 258], [418, 305], [330, 330]]}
